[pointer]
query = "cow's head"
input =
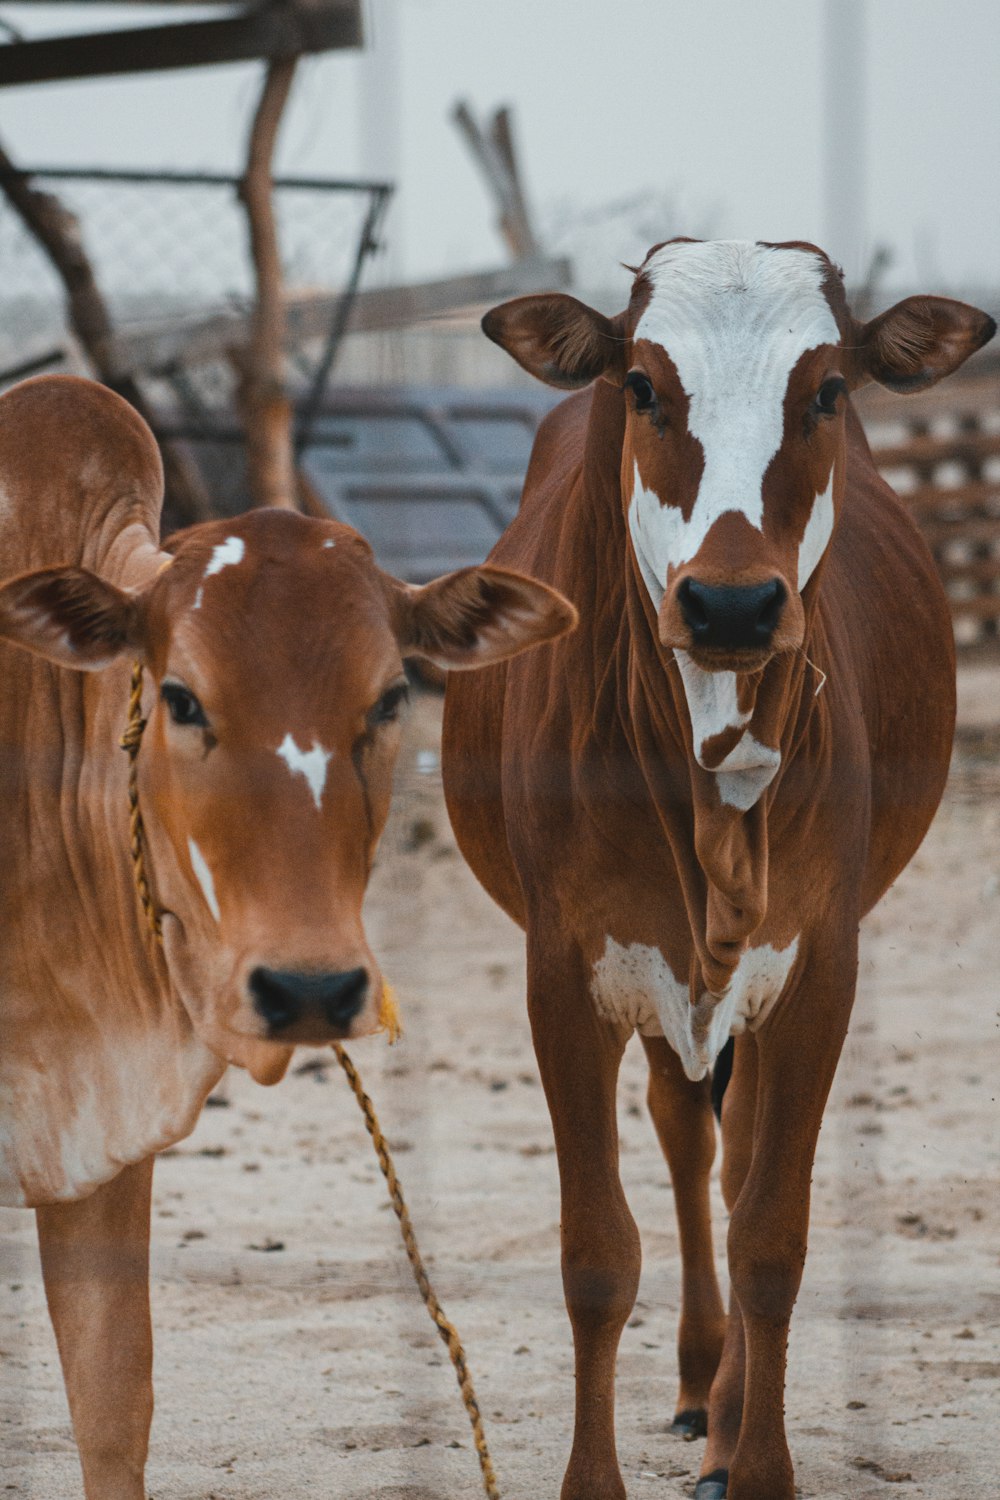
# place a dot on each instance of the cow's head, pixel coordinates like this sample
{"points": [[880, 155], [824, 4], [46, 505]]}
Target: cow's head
{"points": [[274, 653], [736, 360]]}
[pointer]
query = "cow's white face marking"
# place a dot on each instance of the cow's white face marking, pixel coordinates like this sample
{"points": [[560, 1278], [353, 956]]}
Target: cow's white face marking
{"points": [[225, 555], [819, 529], [311, 764], [199, 865], [634, 986], [734, 317]]}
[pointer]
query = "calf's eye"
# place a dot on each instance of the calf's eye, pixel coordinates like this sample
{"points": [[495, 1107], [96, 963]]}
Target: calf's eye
{"points": [[389, 706], [182, 705], [825, 402], [642, 391]]}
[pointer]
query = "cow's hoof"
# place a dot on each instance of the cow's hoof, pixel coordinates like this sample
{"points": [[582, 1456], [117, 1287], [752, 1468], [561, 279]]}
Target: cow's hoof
{"points": [[713, 1486], [690, 1424]]}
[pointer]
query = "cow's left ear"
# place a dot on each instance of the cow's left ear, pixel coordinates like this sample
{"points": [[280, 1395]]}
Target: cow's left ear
{"points": [[919, 341], [71, 617], [479, 615]]}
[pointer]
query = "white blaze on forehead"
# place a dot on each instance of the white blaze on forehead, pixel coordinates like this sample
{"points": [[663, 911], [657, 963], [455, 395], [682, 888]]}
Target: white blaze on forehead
{"points": [[734, 317], [224, 555], [199, 865], [632, 985], [311, 764]]}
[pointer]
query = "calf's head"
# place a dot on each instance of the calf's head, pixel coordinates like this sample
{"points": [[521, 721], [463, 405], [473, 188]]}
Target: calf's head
{"points": [[735, 360], [275, 647]]}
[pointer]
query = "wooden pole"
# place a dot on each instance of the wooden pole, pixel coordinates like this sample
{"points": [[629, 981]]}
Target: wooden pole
{"points": [[58, 233], [263, 399]]}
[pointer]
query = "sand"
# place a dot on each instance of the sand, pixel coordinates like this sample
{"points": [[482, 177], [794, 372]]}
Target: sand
{"points": [[293, 1356]]}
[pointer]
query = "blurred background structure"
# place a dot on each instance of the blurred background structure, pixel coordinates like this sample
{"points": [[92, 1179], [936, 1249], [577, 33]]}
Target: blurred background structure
{"points": [[274, 226]]}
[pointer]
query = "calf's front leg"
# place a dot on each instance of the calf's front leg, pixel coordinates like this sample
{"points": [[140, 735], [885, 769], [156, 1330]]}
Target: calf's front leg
{"points": [[95, 1263], [578, 1057]]}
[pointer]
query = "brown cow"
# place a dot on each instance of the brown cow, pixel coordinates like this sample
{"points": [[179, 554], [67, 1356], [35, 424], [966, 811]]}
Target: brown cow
{"points": [[690, 802], [273, 647]]}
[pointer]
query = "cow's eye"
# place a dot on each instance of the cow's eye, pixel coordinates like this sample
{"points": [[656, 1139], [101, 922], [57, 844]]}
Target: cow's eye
{"points": [[388, 707], [642, 391], [825, 402], [182, 705]]}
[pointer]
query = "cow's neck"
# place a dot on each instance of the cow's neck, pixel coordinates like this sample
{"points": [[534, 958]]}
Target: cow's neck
{"points": [[712, 749]]}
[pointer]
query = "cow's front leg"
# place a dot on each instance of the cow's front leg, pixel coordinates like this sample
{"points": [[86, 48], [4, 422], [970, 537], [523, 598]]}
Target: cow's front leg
{"points": [[579, 1056], [682, 1114], [95, 1261], [797, 1053]]}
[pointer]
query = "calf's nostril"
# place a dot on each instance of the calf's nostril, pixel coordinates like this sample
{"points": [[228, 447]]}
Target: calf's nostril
{"points": [[274, 999], [345, 995]]}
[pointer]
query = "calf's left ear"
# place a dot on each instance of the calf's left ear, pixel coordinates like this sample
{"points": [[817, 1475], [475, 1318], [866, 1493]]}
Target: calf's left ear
{"points": [[479, 615], [71, 617], [919, 341]]}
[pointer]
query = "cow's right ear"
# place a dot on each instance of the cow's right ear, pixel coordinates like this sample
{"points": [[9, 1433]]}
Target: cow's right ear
{"points": [[559, 340], [478, 616], [71, 617]]}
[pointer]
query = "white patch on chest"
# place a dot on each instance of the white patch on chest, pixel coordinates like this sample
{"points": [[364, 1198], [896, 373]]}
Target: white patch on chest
{"points": [[734, 317], [199, 865], [749, 767], [311, 764], [635, 987]]}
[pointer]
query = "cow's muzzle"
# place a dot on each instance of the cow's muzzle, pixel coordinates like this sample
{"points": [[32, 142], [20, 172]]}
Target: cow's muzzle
{"points": [[722, 618], [307, 1006]]}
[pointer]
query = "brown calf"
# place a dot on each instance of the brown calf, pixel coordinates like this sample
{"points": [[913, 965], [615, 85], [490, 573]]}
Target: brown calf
{"points": [[690, 802], [273, 650]]}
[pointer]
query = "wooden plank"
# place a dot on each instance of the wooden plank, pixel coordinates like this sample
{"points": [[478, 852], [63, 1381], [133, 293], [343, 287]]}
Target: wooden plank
{"points": [[978, 607], [926, 499], [925, 448], [280, 30], [156, 348], [962, 529]]}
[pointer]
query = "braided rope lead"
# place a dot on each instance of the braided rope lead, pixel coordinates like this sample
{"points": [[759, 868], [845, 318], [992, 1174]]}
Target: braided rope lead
{"points": [[446, 1329], [130, 742], [390, 1023]]}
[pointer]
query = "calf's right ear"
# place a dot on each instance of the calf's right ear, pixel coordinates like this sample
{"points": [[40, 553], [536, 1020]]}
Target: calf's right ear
{"points": [[71, 617], [478, 616], [558, 339]]}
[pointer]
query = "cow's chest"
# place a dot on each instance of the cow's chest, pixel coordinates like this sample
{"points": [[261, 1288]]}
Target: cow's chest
{"points": [[633, 985], [78, 1102]]}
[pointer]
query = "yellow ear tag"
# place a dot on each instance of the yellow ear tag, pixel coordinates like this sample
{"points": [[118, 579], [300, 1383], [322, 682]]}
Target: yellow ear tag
{"points": [[388, 1014]]}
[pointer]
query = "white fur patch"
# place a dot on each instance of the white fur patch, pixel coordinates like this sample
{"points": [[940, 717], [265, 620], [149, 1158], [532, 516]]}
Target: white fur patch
{"points": [[735, 317], [712, 703], [634, 986], [329, 542], [199, 865], [311, 764], [226, 555], [819, 529]]}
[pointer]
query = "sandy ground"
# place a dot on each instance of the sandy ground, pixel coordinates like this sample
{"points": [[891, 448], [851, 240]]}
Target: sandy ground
{"points": [[294, 1358]]}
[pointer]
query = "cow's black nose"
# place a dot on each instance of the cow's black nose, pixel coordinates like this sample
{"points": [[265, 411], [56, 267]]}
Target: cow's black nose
{"points": [[283, 998], [735, 619]]}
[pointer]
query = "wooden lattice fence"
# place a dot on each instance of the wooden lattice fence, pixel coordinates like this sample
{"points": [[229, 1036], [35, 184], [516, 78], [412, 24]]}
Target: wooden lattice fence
{"points": [[941, 450]]}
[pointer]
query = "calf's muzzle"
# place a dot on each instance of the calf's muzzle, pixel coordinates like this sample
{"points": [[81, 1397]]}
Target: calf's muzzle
{"points": [[285, 999], [731, 619]]}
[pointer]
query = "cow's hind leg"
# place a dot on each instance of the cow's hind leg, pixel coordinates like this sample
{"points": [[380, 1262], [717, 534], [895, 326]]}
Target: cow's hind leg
{"points": [[682, 1114], [95, 1261], [578, 1057]]}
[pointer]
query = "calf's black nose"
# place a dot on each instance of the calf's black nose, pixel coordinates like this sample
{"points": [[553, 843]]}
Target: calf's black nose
{"points": [[283, 997], [735, 619]]}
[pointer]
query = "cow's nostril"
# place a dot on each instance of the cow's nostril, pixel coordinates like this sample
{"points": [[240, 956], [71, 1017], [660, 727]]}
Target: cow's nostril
{"points": [[345, 995], [692, 608], [274, 998], [770, 609]]}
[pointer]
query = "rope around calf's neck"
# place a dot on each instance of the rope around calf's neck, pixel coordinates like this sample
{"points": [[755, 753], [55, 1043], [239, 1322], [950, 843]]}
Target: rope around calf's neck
{"points": [[131, 741]]}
